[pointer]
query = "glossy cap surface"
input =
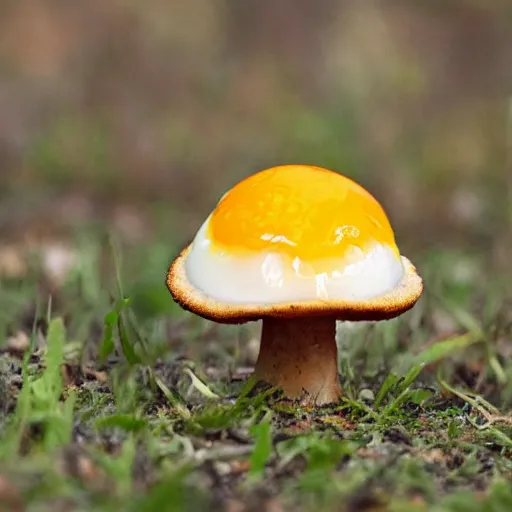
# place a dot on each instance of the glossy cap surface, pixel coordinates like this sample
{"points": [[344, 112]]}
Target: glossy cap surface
{"points": [[302, 211]]}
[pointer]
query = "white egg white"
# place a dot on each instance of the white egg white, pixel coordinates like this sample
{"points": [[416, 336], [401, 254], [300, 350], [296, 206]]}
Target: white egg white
{"points": [[272, 277]]}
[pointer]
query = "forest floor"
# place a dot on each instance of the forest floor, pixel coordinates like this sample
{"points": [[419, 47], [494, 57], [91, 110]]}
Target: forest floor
{"points": [[112, 397]]}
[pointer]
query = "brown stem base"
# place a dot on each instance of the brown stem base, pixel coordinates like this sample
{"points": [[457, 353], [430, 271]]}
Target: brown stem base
{"points": [[300, 356]]}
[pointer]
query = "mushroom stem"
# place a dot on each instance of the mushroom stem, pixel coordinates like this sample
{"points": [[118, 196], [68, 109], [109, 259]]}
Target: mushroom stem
{"points": [[300, 356]]}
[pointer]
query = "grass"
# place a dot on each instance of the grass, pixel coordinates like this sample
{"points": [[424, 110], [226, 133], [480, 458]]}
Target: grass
{"points": [[122, 401]]}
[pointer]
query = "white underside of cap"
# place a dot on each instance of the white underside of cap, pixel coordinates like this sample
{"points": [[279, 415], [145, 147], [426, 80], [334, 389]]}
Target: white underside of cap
{"points": [[271, 277]]}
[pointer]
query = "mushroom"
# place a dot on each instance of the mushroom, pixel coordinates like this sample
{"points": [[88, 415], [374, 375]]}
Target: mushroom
{"points": [[298, 247]]}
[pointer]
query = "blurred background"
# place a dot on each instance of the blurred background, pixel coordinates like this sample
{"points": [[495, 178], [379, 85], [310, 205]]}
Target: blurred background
{"points": [[135, 117]]}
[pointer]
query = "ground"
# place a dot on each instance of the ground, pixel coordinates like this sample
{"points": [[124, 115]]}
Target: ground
{"points": [[113, 397]]}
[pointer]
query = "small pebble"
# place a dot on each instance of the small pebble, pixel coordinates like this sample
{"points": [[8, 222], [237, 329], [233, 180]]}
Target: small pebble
{"points": [[366, 395], [222, 468]]}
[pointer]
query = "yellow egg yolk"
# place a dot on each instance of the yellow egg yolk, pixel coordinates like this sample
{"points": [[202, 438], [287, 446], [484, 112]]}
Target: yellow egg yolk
{"points": [[299, 211]]}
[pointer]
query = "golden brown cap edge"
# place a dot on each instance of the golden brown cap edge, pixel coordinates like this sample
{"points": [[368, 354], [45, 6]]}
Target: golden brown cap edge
{"points": [[384, 307]]}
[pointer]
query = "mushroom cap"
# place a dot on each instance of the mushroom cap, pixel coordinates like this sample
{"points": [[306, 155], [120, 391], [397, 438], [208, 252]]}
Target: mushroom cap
{"points": [[292, 241]]}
